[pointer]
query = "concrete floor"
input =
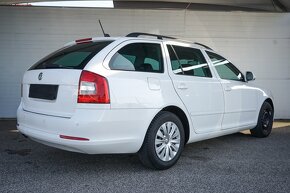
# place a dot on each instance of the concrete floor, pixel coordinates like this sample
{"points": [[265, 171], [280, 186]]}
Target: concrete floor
{"points": [[233, 163]]}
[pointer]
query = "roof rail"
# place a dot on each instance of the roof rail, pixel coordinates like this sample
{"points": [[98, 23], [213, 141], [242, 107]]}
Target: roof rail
{"points": [[203, 45], [136, 34]]}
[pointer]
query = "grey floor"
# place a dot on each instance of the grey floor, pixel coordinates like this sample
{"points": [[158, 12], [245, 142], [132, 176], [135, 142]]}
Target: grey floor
{"points": [[233, 163]]}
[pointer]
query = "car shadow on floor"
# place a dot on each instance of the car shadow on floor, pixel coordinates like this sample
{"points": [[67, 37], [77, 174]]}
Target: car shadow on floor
{"points": [[41, 156]]}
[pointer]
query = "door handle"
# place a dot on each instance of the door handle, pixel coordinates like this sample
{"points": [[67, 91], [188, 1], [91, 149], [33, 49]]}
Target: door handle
{"points": [[228, 88], [182, 86]]}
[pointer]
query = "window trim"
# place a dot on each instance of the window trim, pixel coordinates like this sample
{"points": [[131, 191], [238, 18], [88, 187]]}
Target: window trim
{"points": [[122, 44], [208, 51], [171, 44]]}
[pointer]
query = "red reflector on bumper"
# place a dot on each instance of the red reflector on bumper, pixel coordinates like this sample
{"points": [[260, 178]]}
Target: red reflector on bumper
{"points": [[73, 138]]}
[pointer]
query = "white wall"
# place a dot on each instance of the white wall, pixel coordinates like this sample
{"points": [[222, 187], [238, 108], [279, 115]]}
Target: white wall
{"points": [[259, 42]]}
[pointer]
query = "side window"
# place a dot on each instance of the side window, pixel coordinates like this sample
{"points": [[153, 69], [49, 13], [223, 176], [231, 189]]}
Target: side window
{"points": [[142, 57], [225, 69], [188, 61]]}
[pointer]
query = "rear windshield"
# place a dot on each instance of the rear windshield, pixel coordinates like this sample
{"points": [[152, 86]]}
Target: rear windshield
{"points": [[73, 57]]}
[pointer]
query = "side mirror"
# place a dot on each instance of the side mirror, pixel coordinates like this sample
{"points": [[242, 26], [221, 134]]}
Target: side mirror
{"points": [[250, 76]]}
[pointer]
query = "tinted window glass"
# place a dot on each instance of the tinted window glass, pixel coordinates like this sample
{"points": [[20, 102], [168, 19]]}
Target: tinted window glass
{"points": [[144, 57], [188, 61], [73, 57], [225, 69]]}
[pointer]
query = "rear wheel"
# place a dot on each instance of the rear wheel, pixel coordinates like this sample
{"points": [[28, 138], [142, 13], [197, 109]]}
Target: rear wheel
{"points": [[265, 121], [163, 143]]}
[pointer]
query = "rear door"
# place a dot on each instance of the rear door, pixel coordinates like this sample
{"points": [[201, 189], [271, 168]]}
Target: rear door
{"points": [[197, 87], [50, 87]]}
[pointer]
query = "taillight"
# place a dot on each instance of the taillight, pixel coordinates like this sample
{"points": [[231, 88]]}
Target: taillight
{"points": [[93, 88]]}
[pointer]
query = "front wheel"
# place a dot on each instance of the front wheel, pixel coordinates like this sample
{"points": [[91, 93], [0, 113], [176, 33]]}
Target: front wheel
{"points": [[265, 121], [163, 142]]}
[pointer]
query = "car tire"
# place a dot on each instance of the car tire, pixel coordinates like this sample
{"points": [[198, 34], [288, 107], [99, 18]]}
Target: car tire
{"points": [[163, 143], [265, 121]]}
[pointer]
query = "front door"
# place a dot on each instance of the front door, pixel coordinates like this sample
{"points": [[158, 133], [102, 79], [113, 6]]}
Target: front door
{"points": [[240, 97]]}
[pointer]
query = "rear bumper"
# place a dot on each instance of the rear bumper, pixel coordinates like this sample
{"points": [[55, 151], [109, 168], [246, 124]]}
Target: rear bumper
{"points": [[108, 131]]}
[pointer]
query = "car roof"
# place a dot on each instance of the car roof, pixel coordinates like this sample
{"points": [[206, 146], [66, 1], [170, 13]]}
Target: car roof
{"points": [[136, 36]]}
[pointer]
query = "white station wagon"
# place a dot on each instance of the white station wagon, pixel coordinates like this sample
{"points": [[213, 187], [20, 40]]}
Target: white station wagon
{"points": [[149, 95]]}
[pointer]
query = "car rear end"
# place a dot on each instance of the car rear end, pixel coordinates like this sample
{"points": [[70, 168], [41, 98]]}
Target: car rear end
{"points": [[67, 106]]}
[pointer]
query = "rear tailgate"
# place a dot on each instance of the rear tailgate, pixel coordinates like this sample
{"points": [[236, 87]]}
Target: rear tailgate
{"points": [[50, 87], [51, 91]]}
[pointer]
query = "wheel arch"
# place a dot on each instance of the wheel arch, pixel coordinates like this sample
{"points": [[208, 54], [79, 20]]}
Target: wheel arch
{"points": [[269, 100], [259, 129], [183, 118]]}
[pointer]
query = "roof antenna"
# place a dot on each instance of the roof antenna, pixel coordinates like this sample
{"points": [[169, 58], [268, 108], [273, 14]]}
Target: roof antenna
{"points": [[105, 35]]}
